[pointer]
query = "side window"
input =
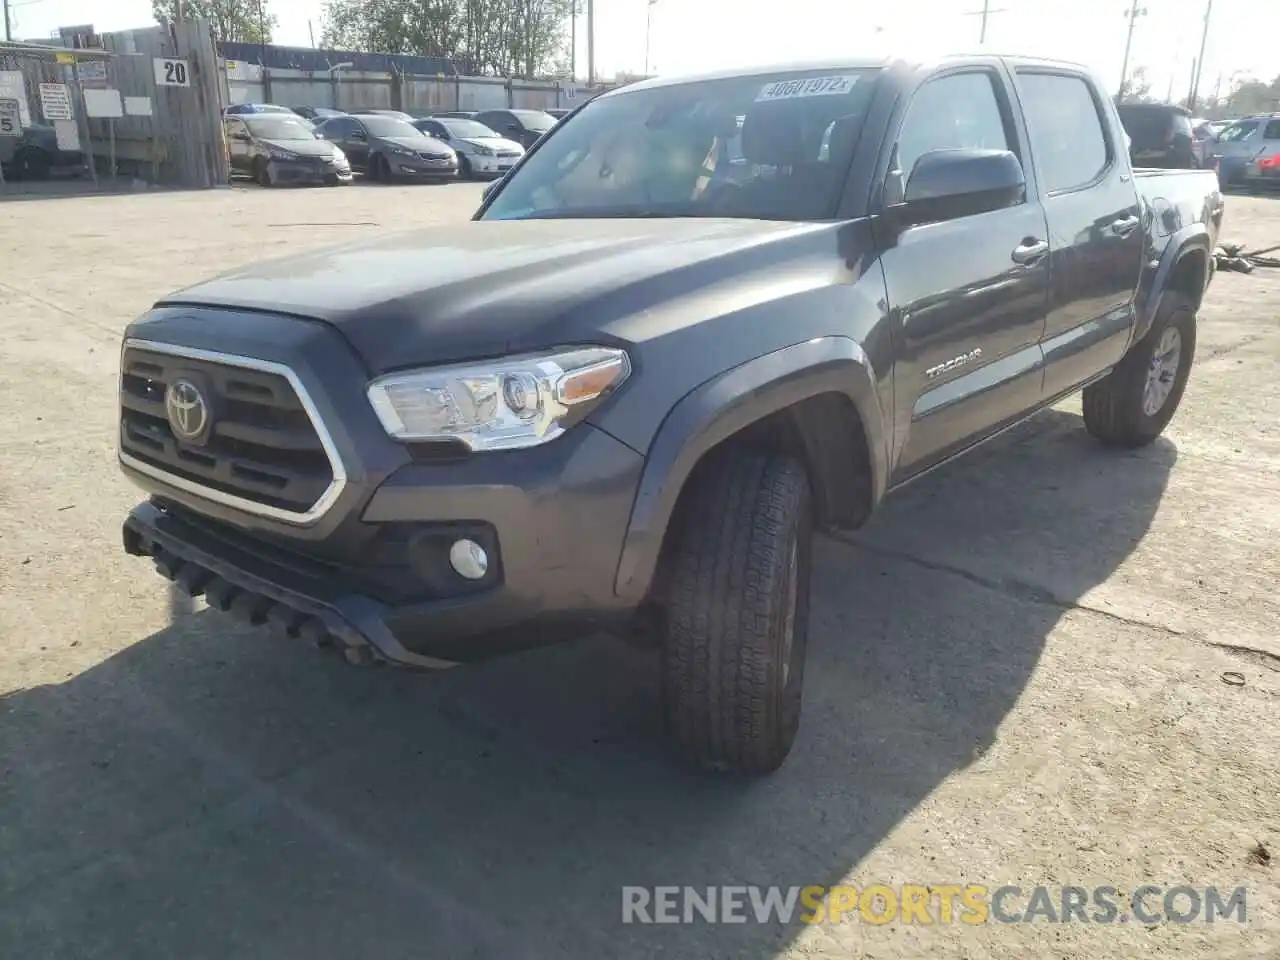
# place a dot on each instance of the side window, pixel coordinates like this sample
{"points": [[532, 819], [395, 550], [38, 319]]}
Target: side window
{"points": [[1066, 129], [1238, 131], [436, 130], [956, 111], [1273, 130]]}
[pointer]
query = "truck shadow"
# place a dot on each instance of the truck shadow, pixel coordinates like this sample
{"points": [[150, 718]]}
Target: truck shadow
{"points": [[218, 791]]}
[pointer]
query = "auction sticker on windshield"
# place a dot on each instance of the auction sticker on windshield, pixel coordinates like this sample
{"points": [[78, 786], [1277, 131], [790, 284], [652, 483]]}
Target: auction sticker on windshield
{"points": [[815, 87]]}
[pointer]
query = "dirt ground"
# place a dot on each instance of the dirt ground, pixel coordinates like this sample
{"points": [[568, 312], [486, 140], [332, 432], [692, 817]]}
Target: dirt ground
{"points": [[1045, 664]]}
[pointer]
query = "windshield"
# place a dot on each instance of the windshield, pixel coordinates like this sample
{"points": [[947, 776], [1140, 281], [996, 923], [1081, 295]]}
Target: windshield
{"points": [[281, 128], [535, 120], [390, 127], [773, 147], [467, 129]]}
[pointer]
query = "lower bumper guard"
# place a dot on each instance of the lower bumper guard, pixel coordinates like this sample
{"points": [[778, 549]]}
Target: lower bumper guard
{"points": [[353, 625]]}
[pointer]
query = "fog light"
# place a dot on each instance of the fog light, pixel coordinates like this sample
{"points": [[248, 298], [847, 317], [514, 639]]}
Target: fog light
{"points": [[469, 559]]}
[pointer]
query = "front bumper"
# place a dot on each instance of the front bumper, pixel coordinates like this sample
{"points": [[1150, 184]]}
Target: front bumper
{"points": [[491, 166], [419, 168], [307, 171], [370, 573]]}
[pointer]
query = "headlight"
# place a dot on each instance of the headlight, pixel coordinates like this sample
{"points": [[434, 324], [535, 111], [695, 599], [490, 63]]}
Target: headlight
{"points": [[338, 154], [403, 151], [501, 404], [483, 150], [282, 155]]}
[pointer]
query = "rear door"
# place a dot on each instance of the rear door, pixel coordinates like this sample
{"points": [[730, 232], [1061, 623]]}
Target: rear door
{"points": [[971, 292], [1095, 224]]}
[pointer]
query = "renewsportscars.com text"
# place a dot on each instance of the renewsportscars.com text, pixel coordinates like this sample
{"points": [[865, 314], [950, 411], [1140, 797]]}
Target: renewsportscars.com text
{"points": [[934, 903]]}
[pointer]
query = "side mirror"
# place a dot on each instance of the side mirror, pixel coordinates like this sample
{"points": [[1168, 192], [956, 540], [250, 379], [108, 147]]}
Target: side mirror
{"points": [[946, 184]]}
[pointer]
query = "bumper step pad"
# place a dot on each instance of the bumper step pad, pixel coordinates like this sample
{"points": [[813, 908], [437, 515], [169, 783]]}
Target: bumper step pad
{"points": [[257, 608]]}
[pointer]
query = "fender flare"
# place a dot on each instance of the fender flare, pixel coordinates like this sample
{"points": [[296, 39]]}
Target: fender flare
{"points": [[725, 405], [1192, 238]]}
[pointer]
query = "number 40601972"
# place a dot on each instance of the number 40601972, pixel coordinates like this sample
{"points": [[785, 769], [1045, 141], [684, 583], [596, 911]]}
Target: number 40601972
{"points": [[172, 73]]}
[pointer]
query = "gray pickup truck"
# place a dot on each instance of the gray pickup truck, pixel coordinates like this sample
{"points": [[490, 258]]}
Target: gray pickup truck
{"points": [[701, 321]]}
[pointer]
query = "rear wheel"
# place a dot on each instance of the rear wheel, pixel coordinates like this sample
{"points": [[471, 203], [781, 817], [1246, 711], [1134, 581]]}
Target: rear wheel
{"points": [[737, 612], [1133, 404]]}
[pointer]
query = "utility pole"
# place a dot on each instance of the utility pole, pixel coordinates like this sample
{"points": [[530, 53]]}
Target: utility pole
{"points": [[1195, 79], [1132, 15], [8, 33], [573, 42], [591, 43], [648, 25], [985, 14]]}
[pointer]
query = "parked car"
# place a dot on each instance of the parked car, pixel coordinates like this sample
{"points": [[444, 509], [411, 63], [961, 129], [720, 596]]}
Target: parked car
{"points": [[318, 114], [388, 148], [239, 109], [459, 114], [525, 127], [481, 151], [558, 113], [36, 155], [1263, 168], [274, 148], [1160, 135], [632, 390], [1240, 142]]}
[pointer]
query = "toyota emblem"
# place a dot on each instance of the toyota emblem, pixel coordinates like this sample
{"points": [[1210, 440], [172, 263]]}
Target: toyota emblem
{"points": [[187, 410]]}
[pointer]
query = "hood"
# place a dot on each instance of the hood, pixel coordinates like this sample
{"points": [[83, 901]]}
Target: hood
{"points": [[416, 144], [494, 143], [303, 148], [485, 288]]}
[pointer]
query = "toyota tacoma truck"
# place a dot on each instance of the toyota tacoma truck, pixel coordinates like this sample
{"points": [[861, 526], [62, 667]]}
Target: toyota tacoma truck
{"points": [[700, 322]]}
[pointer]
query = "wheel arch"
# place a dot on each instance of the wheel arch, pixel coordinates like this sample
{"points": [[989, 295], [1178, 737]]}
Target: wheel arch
{"points": [[1185, 267], [815, 400]]}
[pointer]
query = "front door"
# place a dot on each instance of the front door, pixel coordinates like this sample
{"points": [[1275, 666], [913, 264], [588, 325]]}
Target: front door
{"points": [[969, 293]]}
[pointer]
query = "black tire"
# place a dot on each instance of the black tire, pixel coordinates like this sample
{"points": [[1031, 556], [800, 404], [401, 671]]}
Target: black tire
{"points": [[381, 169], [33, 164], [737, 613], [464, 168], [1115, 408], [262, 172]]}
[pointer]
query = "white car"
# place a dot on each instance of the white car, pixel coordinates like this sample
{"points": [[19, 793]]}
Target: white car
{"points": [[481, 151]]}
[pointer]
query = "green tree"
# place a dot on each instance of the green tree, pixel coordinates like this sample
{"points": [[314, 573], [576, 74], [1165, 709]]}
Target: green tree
{"points": [[504, 37], [243, 21]]}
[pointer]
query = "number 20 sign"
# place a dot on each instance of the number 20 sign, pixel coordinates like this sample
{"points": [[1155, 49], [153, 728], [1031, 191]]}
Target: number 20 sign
{"points": [[172, 73]]}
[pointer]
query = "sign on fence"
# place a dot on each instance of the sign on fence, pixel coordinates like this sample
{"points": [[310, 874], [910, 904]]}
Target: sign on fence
{"points": [[103, 103], [10, 118], [55, 101], [92, 71], [171, 72]]}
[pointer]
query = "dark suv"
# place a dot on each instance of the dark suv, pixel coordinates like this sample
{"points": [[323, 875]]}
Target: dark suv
{"points": [[1160, 135]]}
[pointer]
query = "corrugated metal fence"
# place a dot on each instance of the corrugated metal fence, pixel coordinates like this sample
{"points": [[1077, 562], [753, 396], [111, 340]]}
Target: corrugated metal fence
{"points": [[343, 88]]}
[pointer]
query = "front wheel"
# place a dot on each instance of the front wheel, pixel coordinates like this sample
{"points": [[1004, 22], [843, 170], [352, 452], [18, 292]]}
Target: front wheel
{"points": [[1133, 404], [262, 172], [464, 169], [737, 617]]}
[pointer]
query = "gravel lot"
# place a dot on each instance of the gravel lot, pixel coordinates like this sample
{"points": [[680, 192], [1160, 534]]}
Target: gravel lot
{"points": [[1016, 677]]}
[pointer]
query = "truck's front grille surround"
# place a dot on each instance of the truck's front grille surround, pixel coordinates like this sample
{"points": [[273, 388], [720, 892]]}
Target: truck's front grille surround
{"points": [[271, 454]]}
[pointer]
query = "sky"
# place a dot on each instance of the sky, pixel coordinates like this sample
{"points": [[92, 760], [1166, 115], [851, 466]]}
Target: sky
{"points": [[689, 36]]}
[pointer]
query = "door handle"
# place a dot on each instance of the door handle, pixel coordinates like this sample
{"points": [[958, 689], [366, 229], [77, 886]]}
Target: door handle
{"points": [[1124, 226], [1029, 252]]}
